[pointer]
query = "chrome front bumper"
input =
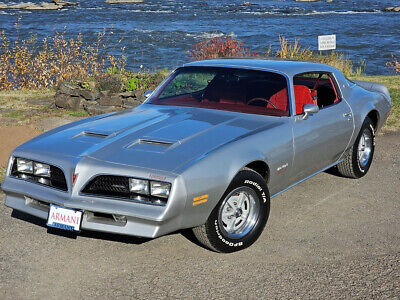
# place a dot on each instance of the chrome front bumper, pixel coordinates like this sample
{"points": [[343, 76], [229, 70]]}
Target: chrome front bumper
{"points": [[141, 220]]}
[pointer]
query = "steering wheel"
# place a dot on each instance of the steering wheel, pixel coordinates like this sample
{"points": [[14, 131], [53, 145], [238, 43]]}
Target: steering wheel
{"points": [[261, 99]]}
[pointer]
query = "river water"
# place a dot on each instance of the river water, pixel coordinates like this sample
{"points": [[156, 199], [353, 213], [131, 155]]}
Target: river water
{"points": [[158, 33]]}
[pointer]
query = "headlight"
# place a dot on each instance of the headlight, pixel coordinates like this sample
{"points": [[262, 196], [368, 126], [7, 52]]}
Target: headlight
{"points": [[139, 186], [24, 165], [160, 189], [41, 169]]}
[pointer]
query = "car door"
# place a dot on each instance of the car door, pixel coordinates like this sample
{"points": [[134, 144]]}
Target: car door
{"points": [[320, 140]]}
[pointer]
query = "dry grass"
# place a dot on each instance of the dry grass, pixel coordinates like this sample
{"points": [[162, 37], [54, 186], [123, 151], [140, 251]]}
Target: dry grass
{"points": [[394, 64], [294, 51]]}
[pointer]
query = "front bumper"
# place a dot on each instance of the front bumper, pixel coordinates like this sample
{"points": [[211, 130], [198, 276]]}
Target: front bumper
{"points": [[142, 220]]}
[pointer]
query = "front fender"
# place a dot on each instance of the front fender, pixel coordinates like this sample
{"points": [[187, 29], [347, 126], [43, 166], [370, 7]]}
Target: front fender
{"points": [[210, 176]]}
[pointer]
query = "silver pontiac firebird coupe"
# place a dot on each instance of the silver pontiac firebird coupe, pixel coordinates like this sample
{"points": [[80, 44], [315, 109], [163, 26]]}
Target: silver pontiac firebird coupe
{"points": [[207, 150]]}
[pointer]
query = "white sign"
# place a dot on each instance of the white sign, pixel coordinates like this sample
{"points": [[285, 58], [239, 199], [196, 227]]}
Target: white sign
{"points": [[327, 42]]}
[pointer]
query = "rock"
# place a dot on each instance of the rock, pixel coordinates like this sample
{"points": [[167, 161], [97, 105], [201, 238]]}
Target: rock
{"points": [[68, 102], [111, 100], [99, 109], [127, 103], [64, 3], [307, 0], [68, 88], [61, 100], [127, 95], [393, 9], [56, 4], [123, 1], [246, 3], [89, 95]]}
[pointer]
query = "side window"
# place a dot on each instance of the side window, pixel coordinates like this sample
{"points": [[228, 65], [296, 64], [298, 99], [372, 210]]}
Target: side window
{"points": [[314, 88]]}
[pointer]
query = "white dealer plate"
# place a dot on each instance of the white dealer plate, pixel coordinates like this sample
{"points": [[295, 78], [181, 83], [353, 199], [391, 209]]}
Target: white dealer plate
{"points": [[64, 218]]}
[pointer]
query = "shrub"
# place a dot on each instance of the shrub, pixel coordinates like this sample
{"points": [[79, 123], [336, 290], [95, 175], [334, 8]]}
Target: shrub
{"points": [[109, 82], [43, 64], [219, 47]]}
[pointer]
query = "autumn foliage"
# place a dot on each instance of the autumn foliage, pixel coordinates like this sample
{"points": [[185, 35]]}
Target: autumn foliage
{"points": [[219, 47], [37, 64]]}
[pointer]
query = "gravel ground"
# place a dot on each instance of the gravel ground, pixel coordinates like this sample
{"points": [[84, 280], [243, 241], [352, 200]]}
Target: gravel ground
{"points": [[328, 237]]}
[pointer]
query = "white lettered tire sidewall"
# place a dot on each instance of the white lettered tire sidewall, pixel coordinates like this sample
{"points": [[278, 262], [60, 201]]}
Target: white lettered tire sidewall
{"points": [[217, 238]]}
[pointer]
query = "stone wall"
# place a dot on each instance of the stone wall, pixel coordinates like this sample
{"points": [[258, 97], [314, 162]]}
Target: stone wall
{"points": [[73, 97]]}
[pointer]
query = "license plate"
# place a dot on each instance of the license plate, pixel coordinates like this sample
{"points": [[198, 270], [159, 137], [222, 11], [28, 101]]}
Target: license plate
{"points": [[64, 218]]}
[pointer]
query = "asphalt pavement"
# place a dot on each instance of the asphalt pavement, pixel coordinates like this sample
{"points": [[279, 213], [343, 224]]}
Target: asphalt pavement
{"points": [[328, 237]]}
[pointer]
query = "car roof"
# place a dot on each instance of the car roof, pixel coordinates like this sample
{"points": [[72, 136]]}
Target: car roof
{"points": [[288, 67]]}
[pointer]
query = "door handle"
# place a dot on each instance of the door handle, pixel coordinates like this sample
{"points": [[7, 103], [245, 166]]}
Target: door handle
{"points": [[348, 114]]}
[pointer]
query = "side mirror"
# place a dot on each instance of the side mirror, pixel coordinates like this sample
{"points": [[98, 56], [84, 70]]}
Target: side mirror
{"points": [[309, 109], [148, 93]]}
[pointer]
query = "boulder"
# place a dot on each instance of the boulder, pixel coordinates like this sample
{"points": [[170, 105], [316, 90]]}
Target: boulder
{"points": [[68, 102], [55, 4], [111, 100], [128, 103], [393, 9], [127, 95], [61, 100], [89, 95], [68, 88], [64, 3], [99, 109]]}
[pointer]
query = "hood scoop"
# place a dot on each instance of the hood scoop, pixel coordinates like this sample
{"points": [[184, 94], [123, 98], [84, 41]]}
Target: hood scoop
{"points": [[90, 137], [154, 142], [151, 145]]}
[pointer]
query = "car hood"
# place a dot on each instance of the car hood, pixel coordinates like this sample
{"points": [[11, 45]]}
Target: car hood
{"points": [[151, 136]]}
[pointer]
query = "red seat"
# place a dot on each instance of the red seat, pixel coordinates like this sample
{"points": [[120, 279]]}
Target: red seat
{"points": [[280, 100], [302, 95]]}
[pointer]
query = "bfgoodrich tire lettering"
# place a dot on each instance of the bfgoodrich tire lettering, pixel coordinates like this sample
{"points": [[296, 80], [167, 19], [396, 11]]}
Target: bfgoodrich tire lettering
{"points": [[358, 158], [217, 235]]}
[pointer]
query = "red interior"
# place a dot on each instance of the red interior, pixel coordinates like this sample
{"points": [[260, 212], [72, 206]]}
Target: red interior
{"points": [[323, 90], [302, 96], [223, 104]]}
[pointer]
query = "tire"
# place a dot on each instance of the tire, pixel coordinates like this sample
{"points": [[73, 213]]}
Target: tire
{"points": [[240, 216], [354, 165]]}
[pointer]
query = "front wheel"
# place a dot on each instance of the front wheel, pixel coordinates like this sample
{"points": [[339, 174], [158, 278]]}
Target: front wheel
{"points": [[240, 216], [358, 159]]}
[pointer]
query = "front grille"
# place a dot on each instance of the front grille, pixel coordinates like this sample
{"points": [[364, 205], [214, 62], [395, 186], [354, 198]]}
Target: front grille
{"points": [[56, 179], [118, 187], [108, 186]]}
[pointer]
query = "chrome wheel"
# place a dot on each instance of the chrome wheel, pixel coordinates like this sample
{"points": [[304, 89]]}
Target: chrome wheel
{"points": [[239, 212], [365, 148]]}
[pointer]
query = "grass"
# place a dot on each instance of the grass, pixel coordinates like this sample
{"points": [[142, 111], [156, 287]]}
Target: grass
{"points": [[80, 114], [393, 84]]}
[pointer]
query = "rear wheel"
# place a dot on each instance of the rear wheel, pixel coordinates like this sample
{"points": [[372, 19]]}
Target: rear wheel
{"points": [[358, 159], [240, 216]]}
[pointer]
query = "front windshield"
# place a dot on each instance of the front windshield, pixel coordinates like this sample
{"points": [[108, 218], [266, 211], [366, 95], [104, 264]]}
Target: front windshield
{"points": [[239, 90]]}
